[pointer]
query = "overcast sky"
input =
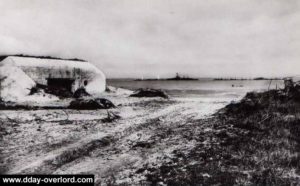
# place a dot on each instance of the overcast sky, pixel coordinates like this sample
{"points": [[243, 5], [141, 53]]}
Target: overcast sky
{"points": [[131, 38]]}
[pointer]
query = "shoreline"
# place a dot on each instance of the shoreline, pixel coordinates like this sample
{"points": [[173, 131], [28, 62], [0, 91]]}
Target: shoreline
{"points": [[155, 141]]}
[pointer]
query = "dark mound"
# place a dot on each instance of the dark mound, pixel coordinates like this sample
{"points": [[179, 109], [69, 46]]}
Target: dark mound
{"points": [[81, 92], [91, 104], [149, 93]]}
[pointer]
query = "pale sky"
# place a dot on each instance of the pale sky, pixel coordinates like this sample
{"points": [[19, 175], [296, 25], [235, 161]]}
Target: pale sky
{"points": [[134, 38]]}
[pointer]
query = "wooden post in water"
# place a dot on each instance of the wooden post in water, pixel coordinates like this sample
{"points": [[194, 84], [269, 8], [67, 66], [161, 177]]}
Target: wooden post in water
{"points": [[269, 84]]}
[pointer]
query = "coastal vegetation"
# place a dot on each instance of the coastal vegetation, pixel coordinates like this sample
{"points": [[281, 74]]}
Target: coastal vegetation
{"points": [[253, 142]]}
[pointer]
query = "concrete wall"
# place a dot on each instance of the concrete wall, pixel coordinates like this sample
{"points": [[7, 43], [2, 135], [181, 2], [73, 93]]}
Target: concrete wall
{"points": [[38, 70], [40, 75]]}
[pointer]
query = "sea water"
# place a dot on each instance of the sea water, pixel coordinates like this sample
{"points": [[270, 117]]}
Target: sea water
{"points": [[201, 88], [207, 95]]}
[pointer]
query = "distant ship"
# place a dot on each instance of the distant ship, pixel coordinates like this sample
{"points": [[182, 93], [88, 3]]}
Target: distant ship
{"points": [[243, 79], [176, 78], [179, 78]]}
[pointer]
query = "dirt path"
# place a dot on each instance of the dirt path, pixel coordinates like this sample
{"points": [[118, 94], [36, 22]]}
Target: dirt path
{"points": [[66, 142], [145, 142]]}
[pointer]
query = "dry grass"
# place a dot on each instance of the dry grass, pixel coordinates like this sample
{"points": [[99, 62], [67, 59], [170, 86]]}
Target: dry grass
{"points": [[254, 142]]}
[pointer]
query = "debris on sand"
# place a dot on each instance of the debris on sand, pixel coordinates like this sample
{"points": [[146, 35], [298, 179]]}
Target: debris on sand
{"points": [[13, 106], [81, 92], [149, 93], [110, 117], [45, 90], [61, 92], [91, 104], [8, 105], [142, 144]]}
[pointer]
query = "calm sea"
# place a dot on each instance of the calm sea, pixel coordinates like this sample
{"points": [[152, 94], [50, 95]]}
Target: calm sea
{"points": [[206, 95], [202, 87]]}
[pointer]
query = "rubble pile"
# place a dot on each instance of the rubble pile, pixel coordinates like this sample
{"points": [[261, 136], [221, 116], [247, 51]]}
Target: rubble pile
{"points": [[149, 93], [91, 104]]}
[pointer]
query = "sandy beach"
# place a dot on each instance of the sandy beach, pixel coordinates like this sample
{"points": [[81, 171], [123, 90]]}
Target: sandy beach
{"points": [[78, 142], [156, 141]]}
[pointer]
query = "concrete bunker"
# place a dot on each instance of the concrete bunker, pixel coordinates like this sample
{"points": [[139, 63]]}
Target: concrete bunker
{"points": [[20, 74]]}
